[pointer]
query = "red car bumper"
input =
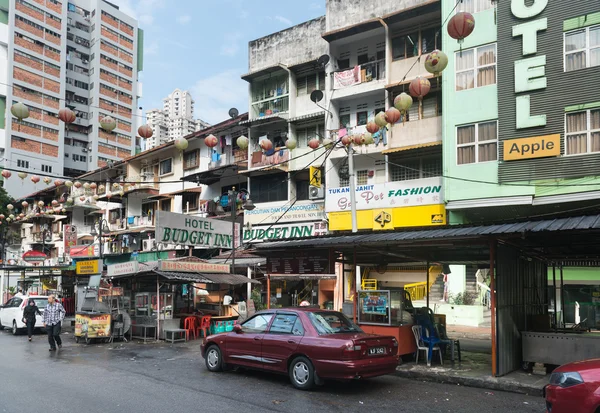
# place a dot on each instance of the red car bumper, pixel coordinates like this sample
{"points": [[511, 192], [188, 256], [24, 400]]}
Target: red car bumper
{"points": [[355, 369], [576, 399]]}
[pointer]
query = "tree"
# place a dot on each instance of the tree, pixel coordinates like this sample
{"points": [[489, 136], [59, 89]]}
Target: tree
{"points": [[5, 199]]}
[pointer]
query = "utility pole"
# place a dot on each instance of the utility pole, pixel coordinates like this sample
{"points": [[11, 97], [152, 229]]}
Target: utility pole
{"points": [[352, 188], [232, 200]]}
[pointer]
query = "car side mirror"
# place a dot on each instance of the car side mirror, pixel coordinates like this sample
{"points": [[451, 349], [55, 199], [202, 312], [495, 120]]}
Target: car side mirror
{"points": [[237, 329]]}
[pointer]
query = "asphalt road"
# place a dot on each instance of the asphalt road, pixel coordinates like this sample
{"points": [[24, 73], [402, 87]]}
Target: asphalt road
{"points": [[134, 378]]}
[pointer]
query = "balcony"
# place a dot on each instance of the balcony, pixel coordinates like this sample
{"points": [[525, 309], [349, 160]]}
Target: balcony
{"points": [[271, 107], [261, 159], [235, 157], [360, 79], [415, 133]]}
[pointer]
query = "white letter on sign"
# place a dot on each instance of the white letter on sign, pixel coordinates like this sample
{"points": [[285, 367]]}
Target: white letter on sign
{"points": [[530, 74], [524, 118], [522, 11], [529, 32]]}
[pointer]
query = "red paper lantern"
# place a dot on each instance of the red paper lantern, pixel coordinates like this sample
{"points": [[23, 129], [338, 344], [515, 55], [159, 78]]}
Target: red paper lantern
{"points": [[6, 174], [314, 143], [67, 115], [372, 127], [35, 179], [211, 141], [392, 115], [346, 140], [58, 182], [359, 139], [266, 145], [461, 25], [419, 87], [145, 131]]}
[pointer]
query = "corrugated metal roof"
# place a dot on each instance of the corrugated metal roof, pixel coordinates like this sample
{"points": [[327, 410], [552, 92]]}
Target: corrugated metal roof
{"points": [[591, 222], [230, 279], [411, 147]]}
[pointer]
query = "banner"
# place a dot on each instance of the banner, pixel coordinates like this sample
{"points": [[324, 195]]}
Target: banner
{"points": [[283, 213], [346, 78], [187, 230], [70, 237], [92, 325], [193, 266]]}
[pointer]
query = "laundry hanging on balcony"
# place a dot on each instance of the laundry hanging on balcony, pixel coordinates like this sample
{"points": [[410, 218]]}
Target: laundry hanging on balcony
{"points": [[216, 157], [346, 78]]}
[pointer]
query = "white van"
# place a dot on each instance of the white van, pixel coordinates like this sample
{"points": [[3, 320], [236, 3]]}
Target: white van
{"points": [[11, 313]]}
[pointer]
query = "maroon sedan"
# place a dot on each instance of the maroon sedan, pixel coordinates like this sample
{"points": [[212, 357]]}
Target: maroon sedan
{"points": [[574, 388], [308, 344]]}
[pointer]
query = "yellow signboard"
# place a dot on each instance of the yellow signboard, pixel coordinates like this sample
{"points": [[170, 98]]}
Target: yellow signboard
{"points": [[315, 176], [390, 218], [529, 148], [88, 267]]}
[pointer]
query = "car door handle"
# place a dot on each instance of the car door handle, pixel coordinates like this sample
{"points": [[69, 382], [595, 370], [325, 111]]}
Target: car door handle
{"points": [[291, 342], [257, 338]]}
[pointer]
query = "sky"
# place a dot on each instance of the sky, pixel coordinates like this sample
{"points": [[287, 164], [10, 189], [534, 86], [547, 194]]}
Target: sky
{"points": [[202, 46]]}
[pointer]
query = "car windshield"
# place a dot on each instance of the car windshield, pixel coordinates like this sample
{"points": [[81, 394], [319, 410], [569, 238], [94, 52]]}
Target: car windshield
{"points": [[332, 323], [41, 302]]}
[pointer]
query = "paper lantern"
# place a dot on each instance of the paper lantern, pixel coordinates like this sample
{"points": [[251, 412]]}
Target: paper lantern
{"points": [[291, 144], [82, 198], [145, 131], [96, 197], [368, 138], [68, 184], [25, 204], [70, 201], [108, 123], [266, 145], [461, 25], [392, 115], [121, 193], [211, 141], [47, 180], [64, 211], [403, 102], [22, 175], [10, 207], [372, 127], [86, 186], [346, 140], [11, 216], [6, 174], [101, 188], [359, 139], [93, 185], [35, 179], [181, 144], [116, 185], [19, 110], [328, 143], [59, 182], [242, 142], [419, 87], [436, 62], [314, 143], [77, 184], [380, 120], [41, 204], [54, 202], [67, 115], [2, 216]]}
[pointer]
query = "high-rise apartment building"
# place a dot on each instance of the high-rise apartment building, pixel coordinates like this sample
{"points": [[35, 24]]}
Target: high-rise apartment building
{"points": [[175, 120], [84, 55]]}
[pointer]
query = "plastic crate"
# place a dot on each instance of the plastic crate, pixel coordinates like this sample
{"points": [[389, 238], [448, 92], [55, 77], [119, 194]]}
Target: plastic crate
{"points": [[218, 327], [229, 325]]}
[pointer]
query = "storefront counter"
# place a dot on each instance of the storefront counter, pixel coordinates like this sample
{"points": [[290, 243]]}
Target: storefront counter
{"points": [[404, 335]]}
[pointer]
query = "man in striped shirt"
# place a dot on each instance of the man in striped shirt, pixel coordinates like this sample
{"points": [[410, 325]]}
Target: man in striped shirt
{"points": [[53, 316]]}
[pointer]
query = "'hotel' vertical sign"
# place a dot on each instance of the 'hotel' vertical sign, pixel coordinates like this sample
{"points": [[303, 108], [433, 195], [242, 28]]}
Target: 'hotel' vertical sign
{"points": [[530, 72]]}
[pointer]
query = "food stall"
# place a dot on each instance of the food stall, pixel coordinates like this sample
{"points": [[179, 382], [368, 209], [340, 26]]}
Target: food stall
{"points": [[387, 312], [93, 318]]}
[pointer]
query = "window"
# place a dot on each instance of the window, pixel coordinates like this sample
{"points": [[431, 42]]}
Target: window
{"points": [[430, 40], [306, 84], [190, 201], [477, 143], [362, 177], [583, 132], [582, 48], [345, 121], [406, 170], [165, 205], [476, 67], [474, 6], [361, 118], [166, 166], [302, 190], [47, 168], [257, 324], [22, 164], [269, 188], [405, 46], [191, 159], [287, 324], [332, 323]]}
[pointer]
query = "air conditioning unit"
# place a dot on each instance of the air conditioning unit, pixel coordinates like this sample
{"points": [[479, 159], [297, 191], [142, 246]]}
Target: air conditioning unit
{"points": [[148, 244], [315, 192]]}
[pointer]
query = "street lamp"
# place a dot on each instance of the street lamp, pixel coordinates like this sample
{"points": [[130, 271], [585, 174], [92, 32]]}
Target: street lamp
{"points": [[248, 205], [102, 228]]}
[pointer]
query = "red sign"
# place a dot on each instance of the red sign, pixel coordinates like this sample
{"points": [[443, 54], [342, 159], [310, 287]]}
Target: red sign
{"points": [[82, 251], [70, 237], [34, 256]]}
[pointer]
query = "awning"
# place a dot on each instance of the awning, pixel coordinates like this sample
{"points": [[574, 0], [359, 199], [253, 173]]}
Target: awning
{"points": [[288, 277], [229, 279], [275, 117], [412, 147], [308, 116], [406, 81], [211, 176], [264, 71]]}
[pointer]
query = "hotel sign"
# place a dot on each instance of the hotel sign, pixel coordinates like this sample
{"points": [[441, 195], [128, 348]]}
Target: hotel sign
{"points": [[188, 230], [193, 266], [285, 231], [529, 148]]}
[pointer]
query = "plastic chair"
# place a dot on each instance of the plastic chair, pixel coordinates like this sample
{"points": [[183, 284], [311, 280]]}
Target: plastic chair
{"points": [[204, 326], [425, 345], [189, 325]]}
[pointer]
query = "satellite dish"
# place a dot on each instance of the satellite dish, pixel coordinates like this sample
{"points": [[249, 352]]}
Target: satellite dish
{"points": [[323, 60], [316, 96], [233, 113]]}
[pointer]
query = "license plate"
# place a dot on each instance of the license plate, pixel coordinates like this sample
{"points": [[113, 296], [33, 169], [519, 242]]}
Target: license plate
{"points": [[376, 350]]}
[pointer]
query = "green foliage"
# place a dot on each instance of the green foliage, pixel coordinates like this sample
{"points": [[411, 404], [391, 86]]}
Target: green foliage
{"points": [[257, 298], [465, 298], [6, 199]]}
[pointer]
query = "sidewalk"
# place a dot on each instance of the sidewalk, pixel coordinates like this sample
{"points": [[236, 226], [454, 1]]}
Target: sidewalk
{"points": [[474, 371], [477, 333]]}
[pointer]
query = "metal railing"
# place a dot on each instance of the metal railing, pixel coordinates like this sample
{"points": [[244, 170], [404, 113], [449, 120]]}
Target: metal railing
{"points": [[417, 291]]}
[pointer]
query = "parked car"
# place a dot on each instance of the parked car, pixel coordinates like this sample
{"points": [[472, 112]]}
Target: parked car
{"points": [[11, 313], [308, 344], [574, 388]]}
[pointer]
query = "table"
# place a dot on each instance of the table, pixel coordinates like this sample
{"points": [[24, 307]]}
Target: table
{"points": [[144, 328], [173, 332]]}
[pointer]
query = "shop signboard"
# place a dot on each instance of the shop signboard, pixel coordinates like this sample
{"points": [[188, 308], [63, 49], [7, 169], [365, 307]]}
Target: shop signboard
{"points": [[530, 148], [193, 266], [129, 267], [70, 237], [34, 256], [418, 192], [284, 213], [188, 230], [284, 231], [90, 267], [84, 251], [92, 325], [316, 262]]}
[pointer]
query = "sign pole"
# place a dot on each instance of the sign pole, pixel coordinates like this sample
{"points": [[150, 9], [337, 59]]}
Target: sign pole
{"points": [[233, 201], [352, 188]]}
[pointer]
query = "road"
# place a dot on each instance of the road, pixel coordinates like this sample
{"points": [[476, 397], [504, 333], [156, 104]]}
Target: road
{"points": [[134, 378]]}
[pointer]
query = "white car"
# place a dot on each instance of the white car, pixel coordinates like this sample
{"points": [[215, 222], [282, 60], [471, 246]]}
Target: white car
{"points": [[11, 313]]}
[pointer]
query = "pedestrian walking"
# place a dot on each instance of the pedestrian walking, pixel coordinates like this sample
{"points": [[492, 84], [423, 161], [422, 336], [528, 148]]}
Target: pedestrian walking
{"points": [[53, 317], [29, 316]]}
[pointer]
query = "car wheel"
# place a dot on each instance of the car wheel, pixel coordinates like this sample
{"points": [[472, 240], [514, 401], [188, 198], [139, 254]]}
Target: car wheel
{"points": [[14, 330], [214, 359], [302, 373]]}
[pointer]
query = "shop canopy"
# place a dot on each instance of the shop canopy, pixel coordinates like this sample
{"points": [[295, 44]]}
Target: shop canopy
{"points": [[216, 278]]}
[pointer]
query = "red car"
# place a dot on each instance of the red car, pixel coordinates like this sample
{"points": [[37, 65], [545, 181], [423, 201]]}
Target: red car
{"points": [[574, 388], [308, 344]]}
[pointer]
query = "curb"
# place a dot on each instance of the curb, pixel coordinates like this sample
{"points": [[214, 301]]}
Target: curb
{"points": [[481, 383]]}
